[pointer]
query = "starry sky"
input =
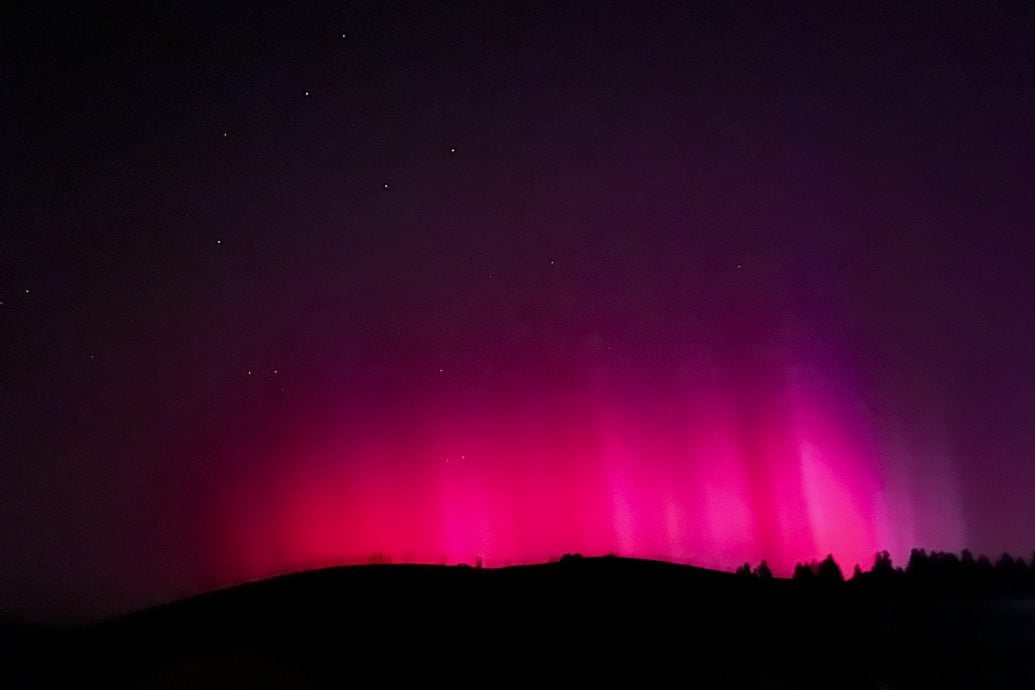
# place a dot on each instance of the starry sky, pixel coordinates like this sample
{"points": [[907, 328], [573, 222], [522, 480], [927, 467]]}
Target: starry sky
{"points": [[284, 286]]}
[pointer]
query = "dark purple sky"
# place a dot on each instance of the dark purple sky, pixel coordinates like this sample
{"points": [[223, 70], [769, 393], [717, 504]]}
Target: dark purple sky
{"points": [[709, 282]]}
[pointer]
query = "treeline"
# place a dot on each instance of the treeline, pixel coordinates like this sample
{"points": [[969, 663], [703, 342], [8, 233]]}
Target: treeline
{"points": [[935, 571]]}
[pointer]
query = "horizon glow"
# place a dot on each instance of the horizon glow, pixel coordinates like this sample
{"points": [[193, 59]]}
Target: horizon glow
{"points": [[714, 476]]}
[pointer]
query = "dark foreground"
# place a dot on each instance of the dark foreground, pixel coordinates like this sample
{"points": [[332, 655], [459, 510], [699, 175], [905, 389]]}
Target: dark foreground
{"points": [[578, 623]]}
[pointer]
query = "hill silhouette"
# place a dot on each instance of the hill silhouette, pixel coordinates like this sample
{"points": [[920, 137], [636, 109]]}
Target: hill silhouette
{"points": [[579, 621]]}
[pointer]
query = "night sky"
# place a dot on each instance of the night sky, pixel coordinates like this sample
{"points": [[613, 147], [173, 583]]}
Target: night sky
{"points": [[290, 286]]}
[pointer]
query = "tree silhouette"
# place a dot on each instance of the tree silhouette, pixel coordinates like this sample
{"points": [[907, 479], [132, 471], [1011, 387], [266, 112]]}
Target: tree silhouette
{"points": [[918, 563], [1006, 564], [829, 571], [927, 572], [804, 573], [882, 565]]}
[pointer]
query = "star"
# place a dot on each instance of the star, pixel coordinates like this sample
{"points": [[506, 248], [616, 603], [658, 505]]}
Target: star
{"points": [[386, 185], [452, 150], [306, 93], [219, 241], [26, 291], [224, 135], [249, 372]]}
